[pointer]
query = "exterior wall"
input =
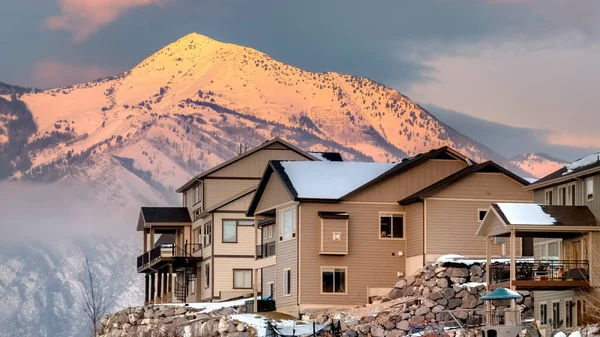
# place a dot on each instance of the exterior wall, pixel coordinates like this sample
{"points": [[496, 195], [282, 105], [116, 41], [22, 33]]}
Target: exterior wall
{"points": [[328, 245], [594, 257], [245, 236], [580, 194], [275, 194], [287, 258], [414, 229], [254, 165], [268, 275], [494, 186], [240, 204], [218, 190], [205, 292], [402, 185], [371, 261], [548, 298], [223, 276]]}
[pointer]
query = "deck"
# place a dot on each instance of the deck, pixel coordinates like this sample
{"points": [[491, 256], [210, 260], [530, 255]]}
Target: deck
{"points": [[542, 275], [165, 254]]}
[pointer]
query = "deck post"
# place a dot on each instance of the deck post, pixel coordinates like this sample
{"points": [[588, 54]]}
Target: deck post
{"points": [[255, 278], [145, 232], [488, 262], [165, 292], [146, 289], [152, 287], [513, 259], [151, 238], [159, 287], [170, 286]]}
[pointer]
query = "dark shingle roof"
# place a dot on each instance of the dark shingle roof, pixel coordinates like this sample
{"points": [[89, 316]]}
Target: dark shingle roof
{"points": [[165, 239], [165, 214], [330, 156], [564, 172]]}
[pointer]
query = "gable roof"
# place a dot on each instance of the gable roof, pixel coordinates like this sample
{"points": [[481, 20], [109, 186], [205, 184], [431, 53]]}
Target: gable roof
{"points": [[488, 166], [224, 164], [165, 214], [582, 166], [232, 199], [327, 156]]}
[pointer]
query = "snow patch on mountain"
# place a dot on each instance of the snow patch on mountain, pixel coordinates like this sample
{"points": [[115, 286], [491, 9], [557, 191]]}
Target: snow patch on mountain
{"points": [[538, 165]]}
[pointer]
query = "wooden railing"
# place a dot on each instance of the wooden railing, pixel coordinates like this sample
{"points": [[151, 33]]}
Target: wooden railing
{"points": [[502, 317], [545, 270], [166, 250]]}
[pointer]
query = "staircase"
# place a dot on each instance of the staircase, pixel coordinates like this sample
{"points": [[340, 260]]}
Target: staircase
{"points": [[186, 275]]}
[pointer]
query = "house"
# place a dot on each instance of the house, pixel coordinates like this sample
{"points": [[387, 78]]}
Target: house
{"points": [[565, 270], [217, 238], [336, 233]]}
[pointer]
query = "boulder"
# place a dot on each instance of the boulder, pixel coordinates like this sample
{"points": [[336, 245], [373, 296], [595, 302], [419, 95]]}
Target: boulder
{"points": [[476, 270], [126, 326], [377, 331], [448, 293], [239, 334], [434, 296], [410, 280], [418, 281], [429, 303], [240, 327], [403, 325], [457, 272], [454, 303], [416, 320], [388, 325], [408, 291], [400, 284], [395, 318], [438, 309], [474, 320], [395, 293], [364, 329], [180, 310], [133, 318], [472, 290], [462, 293], [528, 302], [228, 311], [422, 311], [352, 333], [429, 275], [442, 301], [367, 319], [461, 314], [458, 280], [469, 302], [430, 316], [442, 282], [225, 326], [395, 333], [405, 316]]}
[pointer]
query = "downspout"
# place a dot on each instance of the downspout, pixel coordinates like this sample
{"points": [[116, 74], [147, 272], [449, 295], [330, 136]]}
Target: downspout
{"points": [[424, 231]]}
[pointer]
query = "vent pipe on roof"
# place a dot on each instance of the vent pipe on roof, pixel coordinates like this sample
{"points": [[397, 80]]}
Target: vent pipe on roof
{"points": [[240, 150]]}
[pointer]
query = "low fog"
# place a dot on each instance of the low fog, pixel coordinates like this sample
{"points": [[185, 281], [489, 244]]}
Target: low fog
{"points": [[53, 212]]}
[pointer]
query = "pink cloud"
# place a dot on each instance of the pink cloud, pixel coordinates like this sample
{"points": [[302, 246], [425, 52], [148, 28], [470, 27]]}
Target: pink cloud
{"points": [[48, 73], [84, 17]]}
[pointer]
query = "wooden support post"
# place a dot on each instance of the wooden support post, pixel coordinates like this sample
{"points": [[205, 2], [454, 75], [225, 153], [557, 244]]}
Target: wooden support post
{"points": [[146, 289], [151, 238], [145, 232], [152, 287], [488, 262], [513, 259], [165, 288], [170, 283], [159, 287], [255, 286]]}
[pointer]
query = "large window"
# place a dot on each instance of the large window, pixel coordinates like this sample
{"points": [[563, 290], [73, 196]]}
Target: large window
{"points": [[242, 278], [207, 234], [550, 250], [230, 229], [589, 188], [562, 195], [207, 276], [287, 281], [333, 280], [548, 197], [569, 307], [267, 232], [571, 195], [391, 226], [287, 223], [555, 314], [543, 314]]}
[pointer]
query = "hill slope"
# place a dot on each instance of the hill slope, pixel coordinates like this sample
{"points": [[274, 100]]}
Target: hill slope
{"points": [[538, 164]]}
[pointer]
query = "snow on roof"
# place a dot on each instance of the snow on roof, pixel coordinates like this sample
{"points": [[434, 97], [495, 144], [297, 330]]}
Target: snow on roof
{"points": [[330, 180], [531, 180], [318, 155], [526, 214], [583, 162], [454, 258]]}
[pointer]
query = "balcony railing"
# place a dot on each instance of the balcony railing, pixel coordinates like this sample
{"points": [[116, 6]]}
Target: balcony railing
{"points": [[166, 251], [265, 250], [502, 317], [542, 270]]}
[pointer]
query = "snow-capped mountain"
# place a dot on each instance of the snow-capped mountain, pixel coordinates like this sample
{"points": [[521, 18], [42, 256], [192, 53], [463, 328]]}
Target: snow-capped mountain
{"points": [[131, 139], [537, 164]]}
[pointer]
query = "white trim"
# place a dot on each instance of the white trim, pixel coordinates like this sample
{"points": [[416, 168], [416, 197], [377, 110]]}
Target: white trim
{"points": [[278, 219], [370, 203], [392, 213], [571, 202], [551, 190], [546, 243], [272, 293], [564, 197], [289, 283], [552, 312], [523, 201], [478, 215], [345, 268]]}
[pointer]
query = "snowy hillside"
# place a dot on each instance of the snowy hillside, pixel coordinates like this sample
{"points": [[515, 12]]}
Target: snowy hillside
{"points": [[537, 164]]}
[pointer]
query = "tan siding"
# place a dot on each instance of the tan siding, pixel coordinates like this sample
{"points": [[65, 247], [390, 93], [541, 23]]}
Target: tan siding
{"points": [[487, 186], [218, 190], [240, 204], [451, 228], [406, 183], [268, 275], [254, 165], [367, 255], [223, 269], [275, 194], [245, 236], [206, 251], [414, 229], [327, 228], [287, 257], [595, 204], [594, 257]]}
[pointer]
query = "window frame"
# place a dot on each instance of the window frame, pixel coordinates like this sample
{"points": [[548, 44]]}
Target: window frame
{"points": [[334, 268], [555, 304], [562, 199], [206, 234], [242, 270], [271, 287], [479, 210], [546, 243], [207, 276], [184, 198], [392, 214], [196, 194], [589, 196], [543, 313], [223, 230], [281, 225], [571, 196], [287, 281], [548, 191], [268, 232], [569, 312]]}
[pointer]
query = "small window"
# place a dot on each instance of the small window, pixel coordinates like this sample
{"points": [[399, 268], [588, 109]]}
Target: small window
{"points": [[548, 197], [197, 213], [555, 314], [391, 226], [569, 306], [197, 194], [481, 214], [242, 278], [207, 276], [207, 235], [571, 195], [543, 314], [268, 232], [287, 281], [333, 280], [337, 236], [245, 222], [270, 289], [562, 193], [287, 224], [192, 287], [589, 188], [229, 231]]}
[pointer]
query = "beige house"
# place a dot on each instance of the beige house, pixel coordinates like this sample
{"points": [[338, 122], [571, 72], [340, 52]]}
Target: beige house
{"points": [[565, 270], [222, 235], [334, 234]]}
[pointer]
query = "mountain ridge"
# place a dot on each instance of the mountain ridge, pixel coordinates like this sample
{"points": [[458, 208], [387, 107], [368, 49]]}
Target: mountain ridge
{"points": [[538, 164]]}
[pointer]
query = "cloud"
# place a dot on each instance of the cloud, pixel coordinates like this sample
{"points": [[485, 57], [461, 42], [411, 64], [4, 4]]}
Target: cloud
{"points": [[48, 73], [85, 17]]}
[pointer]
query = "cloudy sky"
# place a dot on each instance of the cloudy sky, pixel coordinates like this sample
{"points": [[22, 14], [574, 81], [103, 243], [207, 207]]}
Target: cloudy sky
{"points": [[531, 64]]}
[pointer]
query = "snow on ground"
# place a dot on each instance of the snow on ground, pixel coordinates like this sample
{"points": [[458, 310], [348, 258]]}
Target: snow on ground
{"points": [[575, 334], [259, 322], [331, 180], [526, 214], [468, 261], [583, 162], [560, 334], [206, 307]]}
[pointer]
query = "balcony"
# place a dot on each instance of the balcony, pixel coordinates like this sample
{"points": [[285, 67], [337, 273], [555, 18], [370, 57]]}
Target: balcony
{"points": [[265, 250], [163, 254], [542, 274], [502, 317]]}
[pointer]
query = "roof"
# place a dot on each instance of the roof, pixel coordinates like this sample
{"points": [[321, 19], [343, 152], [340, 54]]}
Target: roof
{"points": [[581, 166], [327, 156], [488, 166], [502, 294], [191, 182], [232, 199], [165, 239], [544, 215], [165, 214]]}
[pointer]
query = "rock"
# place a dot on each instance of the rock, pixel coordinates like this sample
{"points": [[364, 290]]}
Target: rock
{"points": [[395, 318], [440, 270], [458, 280], [228, 311], [475, 270], [426, 292], [405, 316], [388, 325], [442, 283], [395, 293], [382, 313], [434, 296], [409, 291], [474, 320], [239, 334], [403, 325], [365, 329], [457, 272], [410, 280], [416, 320], [430, 317], [225, 326], [422, 311], [448, 293], [145, 321], [377, 331], [524, 293], [126, 326], [429, 303], [148, 313], [367, 319], [469, 302], [528, 302], [462, 293], [593, 330], [240, 327], [133, 318], [352, 333], [454, 303], [418, 281], [472, 291], [462, 314], [442, 301], [179, 311], [395, 333], [429, 275], [400, 284], [438, 309], [475, 278]]}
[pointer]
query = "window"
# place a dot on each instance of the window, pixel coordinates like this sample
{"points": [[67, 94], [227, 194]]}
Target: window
{"points": [[267, 232], [569, 305], [543, 314], [271, 287], [550, 250], [229, 231], [391, 226], [571, 195], [287, 223], [184, 198], [207, 276], [245, 222], [562, 193], [197, 194], [192, 287], [589, 188], [333, 280], [481, 214], [337, 236], [287, 281], [242, 278], [555, 314], [548, 197], [197, 236], [207, 236], [197, 213]]}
